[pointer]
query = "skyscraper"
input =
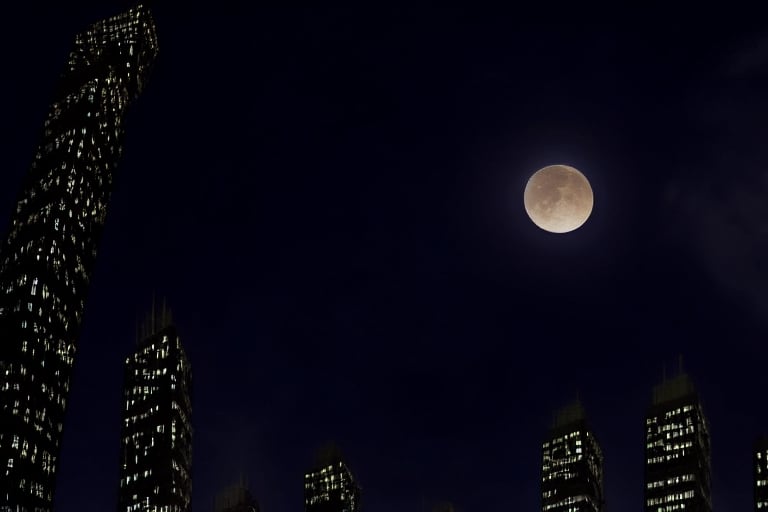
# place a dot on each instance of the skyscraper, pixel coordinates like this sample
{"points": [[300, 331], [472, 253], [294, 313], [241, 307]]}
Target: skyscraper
{"points": [[330, 487], [236, 498], [677, 450], [47, 259], [156, 436], [760, 465], [572, 465]]}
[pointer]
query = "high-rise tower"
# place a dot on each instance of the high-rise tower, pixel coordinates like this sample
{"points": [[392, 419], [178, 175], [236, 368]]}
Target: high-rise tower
{"points": [[156, 437], [47, 259], [760, 469], [330, 487], [572, 465], [677, 450]]}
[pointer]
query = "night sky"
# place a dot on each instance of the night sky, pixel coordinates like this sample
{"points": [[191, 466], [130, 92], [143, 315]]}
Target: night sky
{"points": [[331, 201]]}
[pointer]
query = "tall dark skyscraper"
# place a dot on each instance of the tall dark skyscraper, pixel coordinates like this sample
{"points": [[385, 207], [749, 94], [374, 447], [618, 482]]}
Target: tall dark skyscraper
{"points": [[236, 498], [156, 437], [677, 450], [47, 259], [760, 465], [572, 465], [330, 487]]}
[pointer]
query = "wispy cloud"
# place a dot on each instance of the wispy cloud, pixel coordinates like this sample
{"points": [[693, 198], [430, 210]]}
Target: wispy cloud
{"points": [[718, 206], [726, 228]]}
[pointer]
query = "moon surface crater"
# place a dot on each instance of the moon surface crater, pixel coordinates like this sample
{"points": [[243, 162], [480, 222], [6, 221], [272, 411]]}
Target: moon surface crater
{"points": [[558, 198]]}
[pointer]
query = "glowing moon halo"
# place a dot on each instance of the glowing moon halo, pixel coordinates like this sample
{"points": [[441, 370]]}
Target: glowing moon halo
{"points": [[558, 198]]}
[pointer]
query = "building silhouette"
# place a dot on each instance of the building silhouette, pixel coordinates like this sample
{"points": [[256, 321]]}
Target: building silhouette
{"points": [[330, 486], [444, 507], [572, 465], [236, 498], [677, 450], [47, 259], [156, 433], [760, 469]]}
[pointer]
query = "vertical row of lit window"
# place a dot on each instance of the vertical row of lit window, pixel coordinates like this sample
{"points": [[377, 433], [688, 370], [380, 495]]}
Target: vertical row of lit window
{"points": [[761, 476]]}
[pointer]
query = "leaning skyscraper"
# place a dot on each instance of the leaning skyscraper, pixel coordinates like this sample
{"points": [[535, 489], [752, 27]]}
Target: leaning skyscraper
{"points": [[49, 254]]}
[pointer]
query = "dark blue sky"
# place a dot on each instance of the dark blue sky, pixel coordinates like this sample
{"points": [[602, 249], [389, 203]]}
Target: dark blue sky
{"points": [[331, 200]]}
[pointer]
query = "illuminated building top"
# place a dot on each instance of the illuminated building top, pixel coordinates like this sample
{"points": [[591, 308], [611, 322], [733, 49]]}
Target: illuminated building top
{"points": [[330, 487], [677, 450], [572, 465]]}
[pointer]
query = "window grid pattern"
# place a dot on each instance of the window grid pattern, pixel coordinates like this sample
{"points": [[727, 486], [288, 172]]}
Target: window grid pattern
{"points": [[47, 259], [572, 470], [677, 457], [156, 433], [331, 488]]}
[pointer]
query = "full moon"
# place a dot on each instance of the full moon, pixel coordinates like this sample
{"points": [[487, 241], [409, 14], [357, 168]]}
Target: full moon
{"points": [[558, 198]]}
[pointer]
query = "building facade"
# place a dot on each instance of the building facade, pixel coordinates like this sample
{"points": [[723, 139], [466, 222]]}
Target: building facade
{"points": [[677, 450], [236, 498], [156, 434], [760, 469], [49, 254], [330, 486], [572, 465]]}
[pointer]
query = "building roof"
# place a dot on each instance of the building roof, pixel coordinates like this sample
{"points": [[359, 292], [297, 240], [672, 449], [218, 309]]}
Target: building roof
{"points": [[570, 414], [327, 455], [675, 388]]}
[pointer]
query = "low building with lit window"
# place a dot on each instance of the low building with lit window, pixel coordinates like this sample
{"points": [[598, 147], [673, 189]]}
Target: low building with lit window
{"points": [[330, 487], [760, 465], [156, 442], [572, 465], [677, 450]]}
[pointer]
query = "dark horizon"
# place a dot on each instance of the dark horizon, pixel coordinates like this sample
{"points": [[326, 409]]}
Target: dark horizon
{"points": [[331, 200]]}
